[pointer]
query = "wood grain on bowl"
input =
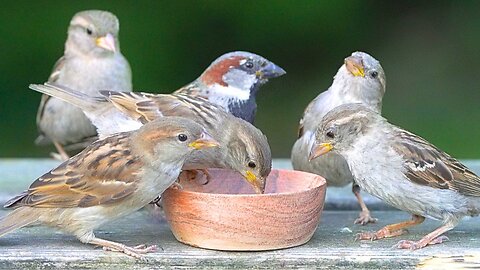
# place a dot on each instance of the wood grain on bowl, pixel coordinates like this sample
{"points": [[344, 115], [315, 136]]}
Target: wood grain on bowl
{"points": [[225, 214]]}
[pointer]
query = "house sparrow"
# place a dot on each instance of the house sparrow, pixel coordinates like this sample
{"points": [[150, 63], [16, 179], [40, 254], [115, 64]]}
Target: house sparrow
{"points": [[360, 79], [232, 81], [400, 168], [111, 178], [91, 61], [243, 148]]}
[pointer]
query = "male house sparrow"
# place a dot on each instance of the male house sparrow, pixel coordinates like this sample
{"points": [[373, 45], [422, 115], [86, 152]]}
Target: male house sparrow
{"points": [[360, 79], [111, 178], [232, 81], [91, 61], [400, 168], [243, 148]]}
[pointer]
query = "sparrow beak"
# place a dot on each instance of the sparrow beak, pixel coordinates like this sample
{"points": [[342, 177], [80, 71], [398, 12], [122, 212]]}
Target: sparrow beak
{"points": [[355, 66], [205, 141], [258, 183], [107, 42], [319, 149], [270, 71]]}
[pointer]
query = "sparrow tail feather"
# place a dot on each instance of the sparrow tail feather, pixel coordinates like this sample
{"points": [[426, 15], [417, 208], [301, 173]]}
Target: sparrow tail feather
{"points": [[74, 97], [18, 218]]}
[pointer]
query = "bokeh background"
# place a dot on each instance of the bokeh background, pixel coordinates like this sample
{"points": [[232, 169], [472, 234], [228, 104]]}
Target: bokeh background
{"points": [[430, 51]]}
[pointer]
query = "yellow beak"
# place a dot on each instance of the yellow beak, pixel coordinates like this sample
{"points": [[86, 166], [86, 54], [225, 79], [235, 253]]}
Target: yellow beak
{"points": [[107, 42], [319, 149], [205, 141], [258, 184], [355, 66]]}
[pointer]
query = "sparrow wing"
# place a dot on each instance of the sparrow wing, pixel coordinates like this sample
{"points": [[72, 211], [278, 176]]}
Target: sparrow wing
{"points": [[191, 90], [103, 173], [139, 106], [146, 107], [57, 68], [427, 165]]}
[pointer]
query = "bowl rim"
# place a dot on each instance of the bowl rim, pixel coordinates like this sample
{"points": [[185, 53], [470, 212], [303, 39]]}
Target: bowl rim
{"points": [[323, 183]]}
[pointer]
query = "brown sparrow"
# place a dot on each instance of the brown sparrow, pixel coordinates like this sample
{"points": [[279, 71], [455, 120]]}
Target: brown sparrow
{"points": [[402, 169], [243, 148], [109, 179], [360, 79], [92, 61], [232, 81]]}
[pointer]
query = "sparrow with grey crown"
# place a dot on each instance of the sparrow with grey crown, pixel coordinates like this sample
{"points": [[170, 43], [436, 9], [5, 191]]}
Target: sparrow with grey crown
{"points": [[92, 61], [360, 79], [109, 179], [232, 81], [402, 169]]}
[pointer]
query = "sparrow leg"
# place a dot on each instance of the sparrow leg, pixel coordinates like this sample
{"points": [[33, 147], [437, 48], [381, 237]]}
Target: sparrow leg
{"points": [[392, 230], [63, 155], [118, 247], [432, 238], [364, 217]]}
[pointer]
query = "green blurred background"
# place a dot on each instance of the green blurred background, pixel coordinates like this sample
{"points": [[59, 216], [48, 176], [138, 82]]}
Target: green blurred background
{"points": [[429, 50]]}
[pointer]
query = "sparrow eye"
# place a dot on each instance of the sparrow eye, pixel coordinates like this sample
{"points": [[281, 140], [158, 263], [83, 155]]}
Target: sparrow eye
{"points": [[252, 164], [330, 134], [182, 137], [249, 64], [374, 74], [89, 31]]}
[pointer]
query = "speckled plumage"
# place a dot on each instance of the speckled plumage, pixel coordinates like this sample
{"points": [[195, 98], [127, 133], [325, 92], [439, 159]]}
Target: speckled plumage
{"points": [[113, 112], [346, 88], [401, 168], [109, 179], [87, 67]]}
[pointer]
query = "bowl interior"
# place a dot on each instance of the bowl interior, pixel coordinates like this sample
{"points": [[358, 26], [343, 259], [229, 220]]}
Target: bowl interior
{"points": [[230, 182]]}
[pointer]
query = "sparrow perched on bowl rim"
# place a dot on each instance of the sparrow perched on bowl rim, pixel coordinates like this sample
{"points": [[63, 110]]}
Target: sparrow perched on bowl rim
{"points": [[111, 178], [92, 61], [360, 79], [402, 169], [232, 81]]}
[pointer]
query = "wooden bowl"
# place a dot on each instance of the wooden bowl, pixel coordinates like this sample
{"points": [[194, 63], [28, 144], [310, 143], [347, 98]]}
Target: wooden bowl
{"points": [[226, 214]]}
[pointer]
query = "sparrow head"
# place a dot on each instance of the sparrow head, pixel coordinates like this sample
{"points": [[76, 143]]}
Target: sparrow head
{"points": [[361, 77], [170, 139], [238, 75], [249, 153], [341, 127], [93, 32]]}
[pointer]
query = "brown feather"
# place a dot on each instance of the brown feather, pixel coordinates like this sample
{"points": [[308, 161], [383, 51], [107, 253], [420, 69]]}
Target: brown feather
{"points": [[427, 165], [106, 179]]}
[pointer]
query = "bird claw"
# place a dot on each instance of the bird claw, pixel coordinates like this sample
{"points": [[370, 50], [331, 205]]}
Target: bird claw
{"points": [[380, 234], [412, 245], [366, 236], [364, 218], [135, 252]]}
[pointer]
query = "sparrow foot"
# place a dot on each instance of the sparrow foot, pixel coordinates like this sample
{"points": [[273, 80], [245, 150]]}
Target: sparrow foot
{"points": [[364, 218], [412, 245], [380, 234], [136, 251]]}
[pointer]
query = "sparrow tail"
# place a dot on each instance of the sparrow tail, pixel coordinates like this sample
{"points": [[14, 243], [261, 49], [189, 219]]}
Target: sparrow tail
{"points": [[18, 218], [74, 97]]}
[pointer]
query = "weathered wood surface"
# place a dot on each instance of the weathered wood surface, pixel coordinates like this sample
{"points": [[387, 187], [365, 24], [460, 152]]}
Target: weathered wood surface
{"points": [[332, 246]]}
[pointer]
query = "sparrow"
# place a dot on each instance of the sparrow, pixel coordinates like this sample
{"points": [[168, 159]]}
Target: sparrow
{"points": [[244, 148], [109, 179], [360, 79], [92, 61], [400, 168], [232, 81]]}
